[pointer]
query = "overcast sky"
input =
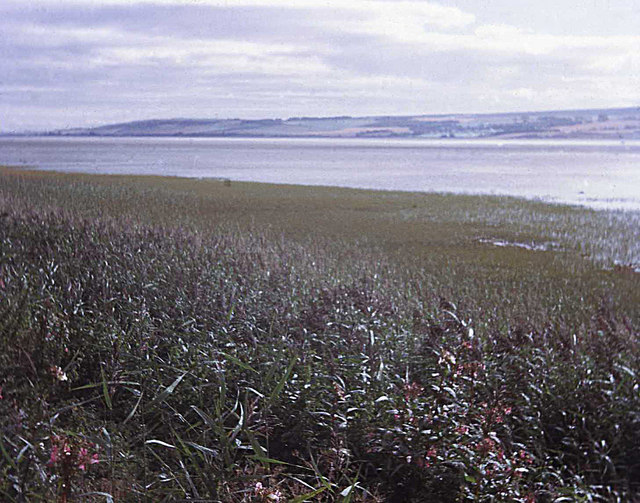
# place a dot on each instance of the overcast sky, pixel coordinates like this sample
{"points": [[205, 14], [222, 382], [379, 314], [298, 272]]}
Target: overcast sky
{"points": [[89, 62]]}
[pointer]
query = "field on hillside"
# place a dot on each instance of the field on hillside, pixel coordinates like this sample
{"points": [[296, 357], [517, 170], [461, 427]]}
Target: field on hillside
{"points": [[167, 339]]}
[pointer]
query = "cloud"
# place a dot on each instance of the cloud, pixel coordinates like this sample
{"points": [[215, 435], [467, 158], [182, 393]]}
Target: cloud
{"points": [[267, 58]]}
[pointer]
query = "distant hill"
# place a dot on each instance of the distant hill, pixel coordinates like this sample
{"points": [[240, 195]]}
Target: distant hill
{"points": [[619, 123]]}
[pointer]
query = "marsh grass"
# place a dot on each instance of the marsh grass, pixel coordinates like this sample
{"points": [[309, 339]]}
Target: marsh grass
{"points": [[241, 342]]}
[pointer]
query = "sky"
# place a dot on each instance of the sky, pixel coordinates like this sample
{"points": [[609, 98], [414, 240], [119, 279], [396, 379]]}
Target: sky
{"points": [[66, 63]]}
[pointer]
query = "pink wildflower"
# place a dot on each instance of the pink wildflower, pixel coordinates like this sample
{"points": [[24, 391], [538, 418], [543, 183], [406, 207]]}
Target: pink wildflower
{"points": [[83, 456], [69, 454], [525, 457], [55, 455]]}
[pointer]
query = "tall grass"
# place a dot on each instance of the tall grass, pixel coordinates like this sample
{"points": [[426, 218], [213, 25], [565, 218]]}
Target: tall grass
{"points": [[169, 340]]}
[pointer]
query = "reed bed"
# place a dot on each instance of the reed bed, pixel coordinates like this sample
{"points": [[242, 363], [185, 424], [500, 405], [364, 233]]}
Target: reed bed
{"points": [[179, 340]]}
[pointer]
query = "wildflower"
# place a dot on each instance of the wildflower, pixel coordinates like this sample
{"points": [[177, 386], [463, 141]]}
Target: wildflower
{"points": [[267, 494], [84, 459], [525, 457], [58, 373], [70, 454], [55, 455], [275, 496]]}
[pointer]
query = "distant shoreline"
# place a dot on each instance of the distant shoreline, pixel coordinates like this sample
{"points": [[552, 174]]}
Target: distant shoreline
{"points": [[614, 123], [451, 139]]}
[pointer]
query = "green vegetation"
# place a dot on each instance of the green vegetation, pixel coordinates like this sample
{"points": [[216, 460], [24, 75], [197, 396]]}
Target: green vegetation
{"points": [[171, 340]]}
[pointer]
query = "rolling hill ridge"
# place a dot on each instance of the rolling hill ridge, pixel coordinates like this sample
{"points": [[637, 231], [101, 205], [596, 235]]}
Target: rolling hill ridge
{"points": [[620, 123]]}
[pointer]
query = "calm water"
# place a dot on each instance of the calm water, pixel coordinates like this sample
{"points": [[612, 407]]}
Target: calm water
{"points": [[598, 174]]}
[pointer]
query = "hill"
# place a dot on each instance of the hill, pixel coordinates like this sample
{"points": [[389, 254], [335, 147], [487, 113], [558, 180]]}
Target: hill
{"points": [[619, 123]]}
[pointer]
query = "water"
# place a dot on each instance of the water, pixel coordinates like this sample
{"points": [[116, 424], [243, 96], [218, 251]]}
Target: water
{"points": [[599, 174]]}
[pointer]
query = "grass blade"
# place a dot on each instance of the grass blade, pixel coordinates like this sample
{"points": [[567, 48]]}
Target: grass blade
{"points": [[164, 394], [283, 380], [105, 389]]}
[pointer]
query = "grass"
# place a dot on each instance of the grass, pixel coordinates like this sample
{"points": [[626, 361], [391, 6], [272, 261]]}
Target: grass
{"points": [[246, 342]]}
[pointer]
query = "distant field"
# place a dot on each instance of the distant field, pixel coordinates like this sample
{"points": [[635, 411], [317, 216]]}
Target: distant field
{"points": [[620, 123], [220, 341]]}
